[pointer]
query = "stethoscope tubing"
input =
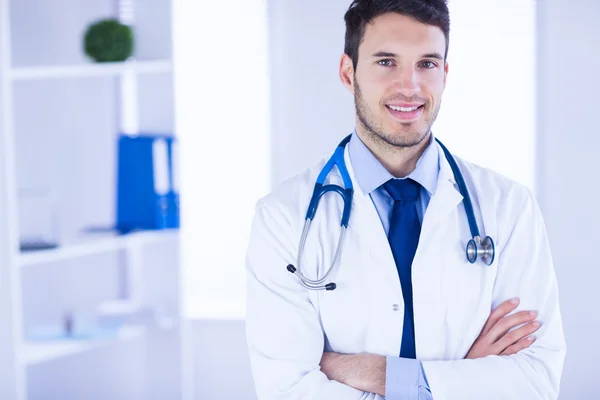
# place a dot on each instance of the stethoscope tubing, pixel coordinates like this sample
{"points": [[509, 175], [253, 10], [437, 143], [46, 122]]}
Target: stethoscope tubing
{"points": [[477, 247]]}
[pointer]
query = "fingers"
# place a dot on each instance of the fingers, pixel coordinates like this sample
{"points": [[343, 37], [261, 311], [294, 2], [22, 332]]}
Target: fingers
{"points": [[515, 337], [495, 337], [506, 324], [520, 345], [498, 313]]}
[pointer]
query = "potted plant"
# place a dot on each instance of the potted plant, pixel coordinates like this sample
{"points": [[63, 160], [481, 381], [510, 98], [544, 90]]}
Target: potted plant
{"points": [[108, 40]]}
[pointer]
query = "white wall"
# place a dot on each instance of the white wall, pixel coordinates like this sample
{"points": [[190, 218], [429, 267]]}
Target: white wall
{"points": [[568, 143], [488, 110], [222, 120], [311, 110]]}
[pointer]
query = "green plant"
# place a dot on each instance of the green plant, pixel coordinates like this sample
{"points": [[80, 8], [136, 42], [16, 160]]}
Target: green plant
{"points": [[109, 40]]}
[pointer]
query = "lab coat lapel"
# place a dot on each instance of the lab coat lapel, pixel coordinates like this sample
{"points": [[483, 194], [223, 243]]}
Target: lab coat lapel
{"points": [[439, 226], [444, 201], [367, 225]]}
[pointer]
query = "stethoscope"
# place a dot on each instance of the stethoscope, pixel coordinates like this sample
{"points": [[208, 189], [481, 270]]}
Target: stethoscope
{"points": [[477, 248]]}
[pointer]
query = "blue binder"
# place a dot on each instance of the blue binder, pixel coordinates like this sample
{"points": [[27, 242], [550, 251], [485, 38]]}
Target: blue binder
{"points": [[173, 219], [147, 196]]}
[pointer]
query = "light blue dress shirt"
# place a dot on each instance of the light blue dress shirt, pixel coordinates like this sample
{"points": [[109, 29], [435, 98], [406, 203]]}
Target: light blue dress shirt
{"points": [[405, 378]]}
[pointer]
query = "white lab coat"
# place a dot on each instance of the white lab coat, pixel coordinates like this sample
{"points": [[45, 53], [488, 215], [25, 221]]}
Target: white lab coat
{"points": [[289, 327]]}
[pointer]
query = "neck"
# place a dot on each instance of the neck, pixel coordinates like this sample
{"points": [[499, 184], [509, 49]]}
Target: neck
{"points": [[398, 160]]}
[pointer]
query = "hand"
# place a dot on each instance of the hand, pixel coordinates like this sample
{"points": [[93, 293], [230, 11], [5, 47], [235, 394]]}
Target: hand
{"points": [[494, 339], [365, 372]]}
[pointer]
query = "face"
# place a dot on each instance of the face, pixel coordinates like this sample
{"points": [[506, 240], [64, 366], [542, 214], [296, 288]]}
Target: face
{"points": [[399, 79]]}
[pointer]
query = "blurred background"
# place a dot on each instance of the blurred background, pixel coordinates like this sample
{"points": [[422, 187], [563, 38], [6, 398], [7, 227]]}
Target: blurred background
{"points": [[116, 284]]}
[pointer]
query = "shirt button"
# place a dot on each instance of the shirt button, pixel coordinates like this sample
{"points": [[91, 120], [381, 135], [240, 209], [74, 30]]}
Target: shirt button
{"points": [[395, 307]]}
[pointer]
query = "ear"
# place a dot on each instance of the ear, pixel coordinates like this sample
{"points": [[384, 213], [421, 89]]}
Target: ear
{"points": [[347, 72], [445, 74]]}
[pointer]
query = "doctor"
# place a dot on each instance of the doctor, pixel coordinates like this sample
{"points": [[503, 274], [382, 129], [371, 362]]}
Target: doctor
{"points": [[407, 315]]}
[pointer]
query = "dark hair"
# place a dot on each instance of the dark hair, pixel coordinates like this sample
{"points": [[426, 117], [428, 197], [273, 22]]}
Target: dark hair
{"points": [[362, 12]]}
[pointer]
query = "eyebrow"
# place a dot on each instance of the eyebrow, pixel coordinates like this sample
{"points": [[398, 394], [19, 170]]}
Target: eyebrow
{"points": [[437, 56]]}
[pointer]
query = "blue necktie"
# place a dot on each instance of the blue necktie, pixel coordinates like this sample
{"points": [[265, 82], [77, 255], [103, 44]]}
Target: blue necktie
{"points": [[403, 236]]}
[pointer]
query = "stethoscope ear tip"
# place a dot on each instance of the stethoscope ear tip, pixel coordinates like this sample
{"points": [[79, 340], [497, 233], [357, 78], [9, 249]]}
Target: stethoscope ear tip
{"points": [[291, 268], [330, 286]]}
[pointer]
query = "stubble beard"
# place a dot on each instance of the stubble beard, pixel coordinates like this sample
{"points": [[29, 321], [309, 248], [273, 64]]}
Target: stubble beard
{"points": [[389, 140]]}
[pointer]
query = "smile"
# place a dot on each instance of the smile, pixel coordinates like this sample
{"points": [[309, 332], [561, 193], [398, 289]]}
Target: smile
{"points": [[405, 113]]}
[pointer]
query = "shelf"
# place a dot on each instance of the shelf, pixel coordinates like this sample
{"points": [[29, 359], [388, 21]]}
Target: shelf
{"points": [[39, 352], [95, 246], [90, 70]]}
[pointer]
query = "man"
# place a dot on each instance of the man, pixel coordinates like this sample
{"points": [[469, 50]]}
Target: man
{"points": [[395, 66]]}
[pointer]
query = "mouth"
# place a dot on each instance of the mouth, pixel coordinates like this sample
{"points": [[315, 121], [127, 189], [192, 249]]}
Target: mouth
{"points": [[405, 112]]}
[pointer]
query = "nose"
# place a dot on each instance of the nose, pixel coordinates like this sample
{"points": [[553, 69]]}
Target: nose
{"points": [[408, 81]]}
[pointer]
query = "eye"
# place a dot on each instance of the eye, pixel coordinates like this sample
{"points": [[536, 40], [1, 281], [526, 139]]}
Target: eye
{"points": [[428, 64], [387, 62]]}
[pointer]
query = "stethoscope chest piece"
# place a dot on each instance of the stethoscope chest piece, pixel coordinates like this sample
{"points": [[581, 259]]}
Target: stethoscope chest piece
{"points": [[484, 250]]}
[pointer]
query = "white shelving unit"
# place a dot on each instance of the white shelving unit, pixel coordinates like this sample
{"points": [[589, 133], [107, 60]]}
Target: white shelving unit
{"points": [[91, 246], [89, 70], [27, 90], [38, 352]]}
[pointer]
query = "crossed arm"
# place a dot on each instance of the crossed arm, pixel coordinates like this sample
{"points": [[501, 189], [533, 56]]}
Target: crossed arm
{"points": [[367, 372]]}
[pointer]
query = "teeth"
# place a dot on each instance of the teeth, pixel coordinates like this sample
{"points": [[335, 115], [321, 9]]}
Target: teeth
{"points": [[404, 109]]}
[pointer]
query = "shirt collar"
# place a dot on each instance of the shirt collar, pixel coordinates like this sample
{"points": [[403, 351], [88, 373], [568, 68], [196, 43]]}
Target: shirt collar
{"points": [[371, 174]]}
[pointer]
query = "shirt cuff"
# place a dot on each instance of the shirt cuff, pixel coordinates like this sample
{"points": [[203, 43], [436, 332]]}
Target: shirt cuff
{"points": [[405, 380]]}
